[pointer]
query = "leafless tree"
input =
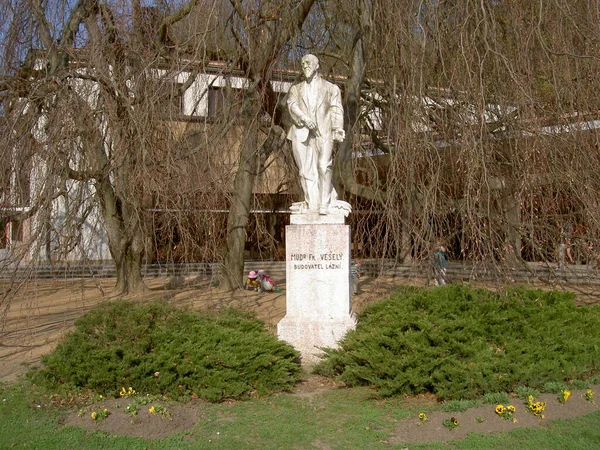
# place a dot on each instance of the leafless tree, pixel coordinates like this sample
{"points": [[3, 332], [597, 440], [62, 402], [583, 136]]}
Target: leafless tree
{"points": [[485, 116], [468, 122], [262, 31], [89, 99], [86, 105]]}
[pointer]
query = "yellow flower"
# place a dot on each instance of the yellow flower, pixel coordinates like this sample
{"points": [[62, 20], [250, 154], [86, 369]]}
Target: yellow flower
{"points": [[589, 395], [537, 408], [530, 399], [94, 415], [451, 423], [565, 395], [152, 410], [422, 416], [126, 392], [505, 412]]}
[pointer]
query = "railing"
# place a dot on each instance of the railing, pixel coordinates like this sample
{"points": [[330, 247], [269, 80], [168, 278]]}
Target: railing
{"points": [[108, 270], [457, 271]]}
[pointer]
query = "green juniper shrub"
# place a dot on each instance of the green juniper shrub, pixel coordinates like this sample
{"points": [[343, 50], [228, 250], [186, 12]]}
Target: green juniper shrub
{"points": [[157, 349], [460, 343]]}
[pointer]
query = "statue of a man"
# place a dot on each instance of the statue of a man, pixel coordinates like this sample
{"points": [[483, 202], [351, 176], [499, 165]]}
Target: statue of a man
{"points": [[316, 108]]}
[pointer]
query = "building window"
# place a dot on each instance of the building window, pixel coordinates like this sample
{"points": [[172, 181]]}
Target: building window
{"points": [[215, 101], [16, 231], [15, 185], [22, 186], [4, 233], [224, 100], [171, 99]]}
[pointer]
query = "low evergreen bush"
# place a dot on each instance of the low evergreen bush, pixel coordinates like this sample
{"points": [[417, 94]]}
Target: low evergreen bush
{"points": [[157, 349], [460, 343]]}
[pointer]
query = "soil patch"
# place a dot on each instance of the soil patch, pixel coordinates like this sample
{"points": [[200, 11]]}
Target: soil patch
{"points": [[153, 420], [484, 419], [166, 417]]}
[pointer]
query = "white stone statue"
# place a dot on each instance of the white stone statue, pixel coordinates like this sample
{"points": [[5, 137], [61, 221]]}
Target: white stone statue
{"points": [[316, 108]]}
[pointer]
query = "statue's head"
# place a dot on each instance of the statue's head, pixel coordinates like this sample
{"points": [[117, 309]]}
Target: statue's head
{"points": [[310, 65]]}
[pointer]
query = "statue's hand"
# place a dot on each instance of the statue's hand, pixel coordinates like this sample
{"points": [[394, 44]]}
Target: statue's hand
{"points": [[339, 135], [310, 124]]}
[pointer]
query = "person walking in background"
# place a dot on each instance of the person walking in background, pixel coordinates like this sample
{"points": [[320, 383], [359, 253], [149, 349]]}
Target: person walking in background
{"points": [[440, 265], [354, 276]]}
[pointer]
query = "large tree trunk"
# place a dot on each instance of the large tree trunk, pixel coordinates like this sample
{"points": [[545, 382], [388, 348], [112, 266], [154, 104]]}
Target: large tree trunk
{"points": [[404, 246], [239, 213], [512, 208], [125, 240], [129, 272]]}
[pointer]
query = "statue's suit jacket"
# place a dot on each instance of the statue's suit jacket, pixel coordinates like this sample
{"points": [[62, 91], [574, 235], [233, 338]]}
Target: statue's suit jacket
{"points": [[328, 112]]}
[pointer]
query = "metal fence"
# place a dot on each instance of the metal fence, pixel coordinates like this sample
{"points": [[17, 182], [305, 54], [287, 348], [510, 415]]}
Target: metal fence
{"points": [[457, 271]]}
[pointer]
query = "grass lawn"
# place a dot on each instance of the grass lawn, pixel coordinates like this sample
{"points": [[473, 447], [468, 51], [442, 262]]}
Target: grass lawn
{"points": [[328, 419]]}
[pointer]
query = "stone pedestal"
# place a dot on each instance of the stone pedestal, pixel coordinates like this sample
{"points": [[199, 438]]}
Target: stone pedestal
{"points": [[318, 308]]}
